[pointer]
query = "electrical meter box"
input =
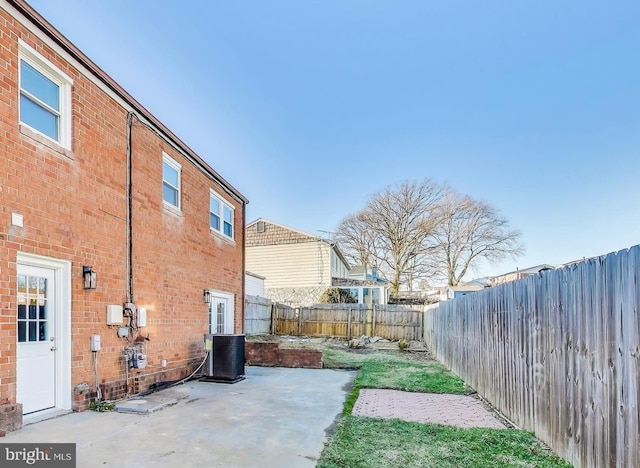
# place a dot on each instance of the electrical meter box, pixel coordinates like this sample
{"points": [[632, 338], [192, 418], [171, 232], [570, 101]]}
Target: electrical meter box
{"points": [[139, 360], [114, 314]]}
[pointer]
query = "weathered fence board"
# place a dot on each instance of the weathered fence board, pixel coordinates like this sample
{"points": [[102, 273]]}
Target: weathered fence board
{"points": [[349, 320], [558, 353], [257, 315]]}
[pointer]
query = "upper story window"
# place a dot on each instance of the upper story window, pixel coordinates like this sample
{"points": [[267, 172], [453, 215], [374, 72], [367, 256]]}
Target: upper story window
{"points": [[45, 97], [171, 171], [221, 216]]}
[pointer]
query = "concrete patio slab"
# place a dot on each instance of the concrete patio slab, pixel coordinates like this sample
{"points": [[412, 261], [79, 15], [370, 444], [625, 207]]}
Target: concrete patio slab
{"points": [[277, 417]]}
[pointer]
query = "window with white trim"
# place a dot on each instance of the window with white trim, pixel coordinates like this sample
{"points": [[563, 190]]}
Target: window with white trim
{"points": [[45, 97], [171, 172], [221, 216]]}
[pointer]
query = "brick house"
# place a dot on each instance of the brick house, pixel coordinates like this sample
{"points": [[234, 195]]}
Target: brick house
{"points": [[110, 226]]}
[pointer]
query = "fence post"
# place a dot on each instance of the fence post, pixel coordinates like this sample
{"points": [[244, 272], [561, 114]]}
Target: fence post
{"points": [[299, 310], [365, 320], [272, 327], [349, 325], [373, 320]]}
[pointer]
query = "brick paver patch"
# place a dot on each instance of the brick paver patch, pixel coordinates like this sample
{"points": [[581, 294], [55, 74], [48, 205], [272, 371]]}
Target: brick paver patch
{"points": [[451, 410]]}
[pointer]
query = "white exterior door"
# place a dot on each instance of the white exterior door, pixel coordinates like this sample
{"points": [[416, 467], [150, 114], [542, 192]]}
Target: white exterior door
{"points": [[36, 325], [221, 313]]}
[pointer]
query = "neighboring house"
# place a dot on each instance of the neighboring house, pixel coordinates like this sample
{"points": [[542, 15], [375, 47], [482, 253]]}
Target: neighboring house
{"points": [[365, 285], [298, 267], [463, 290], [519, 274], [110, 227], [444, 293], [253, 284]]}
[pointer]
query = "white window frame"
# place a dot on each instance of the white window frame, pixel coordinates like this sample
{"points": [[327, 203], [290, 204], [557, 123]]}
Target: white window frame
{"points": [[166, 159], [64, 83], [222, 204]]}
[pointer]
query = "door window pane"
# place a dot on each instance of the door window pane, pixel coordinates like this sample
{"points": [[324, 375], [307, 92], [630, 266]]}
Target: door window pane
{"points": [[22, 311], [33, 331], [32, 309], [22, 284], [22, 331], [220, 317]]}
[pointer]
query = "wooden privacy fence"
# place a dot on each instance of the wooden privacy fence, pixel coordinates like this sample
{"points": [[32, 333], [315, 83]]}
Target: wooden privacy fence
{"points": [[257, 315], [349, 320], [558, 353]]}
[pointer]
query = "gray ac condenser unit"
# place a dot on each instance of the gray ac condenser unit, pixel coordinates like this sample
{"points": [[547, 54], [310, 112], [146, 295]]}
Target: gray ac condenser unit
{"points": [[225, 362]]}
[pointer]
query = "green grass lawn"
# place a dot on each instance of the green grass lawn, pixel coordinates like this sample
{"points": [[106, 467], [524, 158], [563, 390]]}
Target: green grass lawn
{"points": [[372, 442]]}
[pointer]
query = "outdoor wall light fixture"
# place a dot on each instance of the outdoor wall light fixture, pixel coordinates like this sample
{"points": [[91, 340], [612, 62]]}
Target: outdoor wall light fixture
{"points": [[90, 277], [206, 295]]}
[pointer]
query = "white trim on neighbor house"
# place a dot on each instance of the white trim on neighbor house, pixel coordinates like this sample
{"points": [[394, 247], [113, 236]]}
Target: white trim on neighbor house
{"points": [[62, 279], [339, 269], [64, 83]]}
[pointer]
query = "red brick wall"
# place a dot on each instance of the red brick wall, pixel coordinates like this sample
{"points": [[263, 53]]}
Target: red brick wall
{"points": [[270, 354], [74, 206]]}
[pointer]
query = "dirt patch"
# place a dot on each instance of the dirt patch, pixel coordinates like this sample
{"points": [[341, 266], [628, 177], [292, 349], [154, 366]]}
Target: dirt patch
{"points": [[415, 349]]}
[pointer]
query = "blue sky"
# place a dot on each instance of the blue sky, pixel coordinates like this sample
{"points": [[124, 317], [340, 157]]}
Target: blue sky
{"points": [[308, 107]]}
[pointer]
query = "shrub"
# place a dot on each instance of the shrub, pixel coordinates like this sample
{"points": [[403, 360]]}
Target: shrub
{"points": [[337, 296]]}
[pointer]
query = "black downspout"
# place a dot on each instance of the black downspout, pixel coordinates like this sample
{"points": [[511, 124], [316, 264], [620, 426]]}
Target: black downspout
{"points": [[130, 116], [244, 248]]}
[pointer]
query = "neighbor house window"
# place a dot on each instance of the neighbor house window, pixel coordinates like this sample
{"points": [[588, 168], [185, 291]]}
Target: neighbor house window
{"points": [[45, 97], [171, 181], [221, 216]]}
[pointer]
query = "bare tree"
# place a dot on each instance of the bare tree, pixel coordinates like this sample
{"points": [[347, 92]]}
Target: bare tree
{"points": [[393, 228], [469, 230], [357, 241], [420, 230]]}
